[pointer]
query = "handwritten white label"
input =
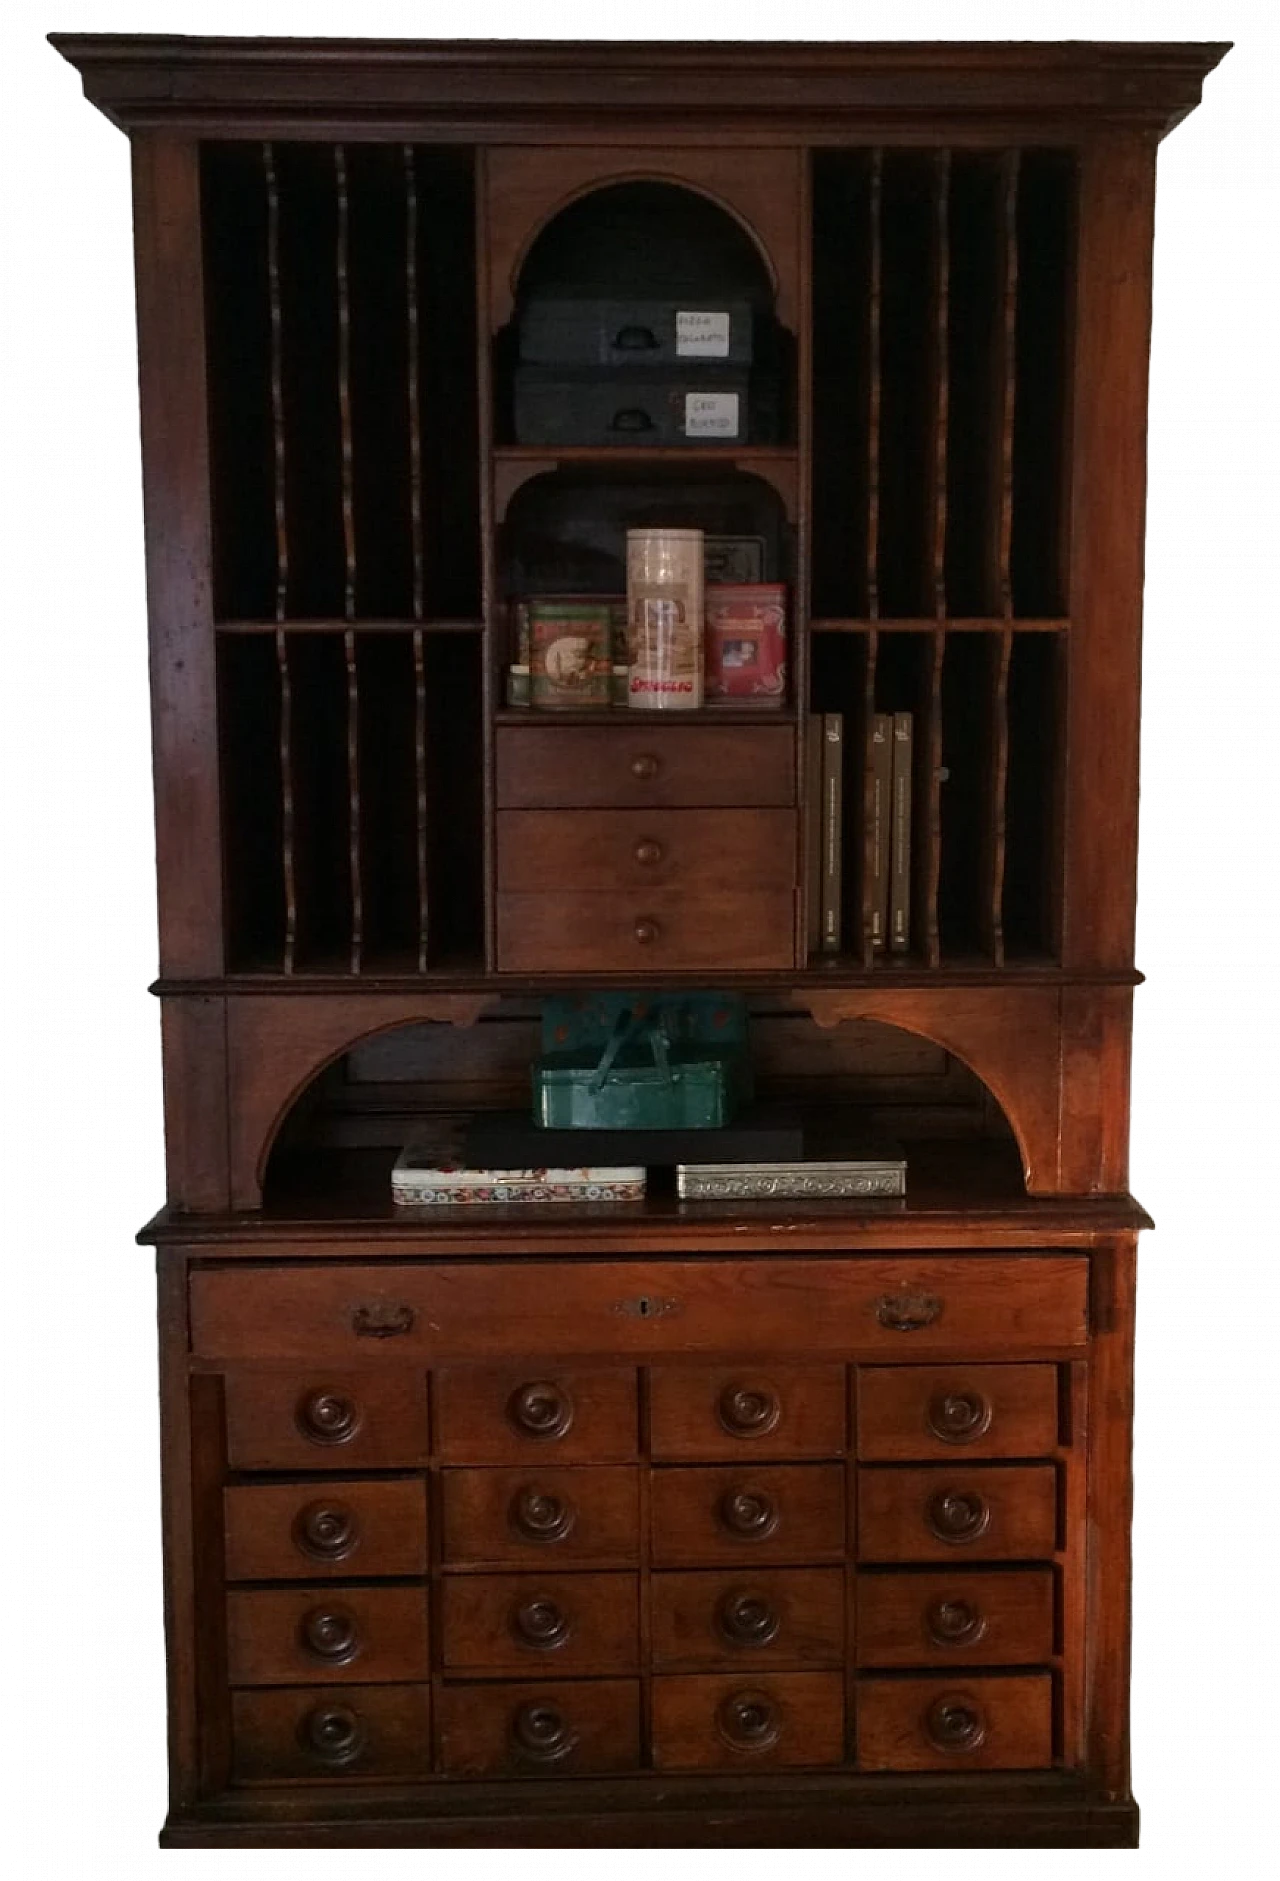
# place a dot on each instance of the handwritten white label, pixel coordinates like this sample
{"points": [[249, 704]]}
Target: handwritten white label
{"points": [[711, 414], [702, 335]]}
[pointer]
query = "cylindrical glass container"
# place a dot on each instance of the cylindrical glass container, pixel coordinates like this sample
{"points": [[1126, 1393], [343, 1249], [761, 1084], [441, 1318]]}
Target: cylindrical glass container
{"points": [[664, 619]]}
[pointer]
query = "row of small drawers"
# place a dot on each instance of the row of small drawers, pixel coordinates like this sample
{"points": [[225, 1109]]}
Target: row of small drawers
{"points": [[782, 1513], [379, 1420], [572, 1625], [719, 1722]]}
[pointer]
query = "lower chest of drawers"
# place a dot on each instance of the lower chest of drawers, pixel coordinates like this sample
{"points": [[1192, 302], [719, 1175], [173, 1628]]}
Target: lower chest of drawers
{"points": [[426, 1566]]}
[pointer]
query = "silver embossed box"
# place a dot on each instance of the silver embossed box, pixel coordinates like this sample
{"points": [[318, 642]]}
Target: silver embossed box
{"points": [[866, 1179]]}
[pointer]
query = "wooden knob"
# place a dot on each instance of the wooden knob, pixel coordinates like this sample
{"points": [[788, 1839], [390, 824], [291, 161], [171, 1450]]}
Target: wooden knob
{"points": [[748, 1721], [644, 766], [540, 1410], [333, 1733], [747, 1618], [647, 852], [539, 1516], [748, 1513], [749, 1410], [540, 1732], [955, 1623], [958, 1416], [646, 931], [954, 1723], [539, 1623], [327, 1531], [327, 1417], [958, 1515], [330, 1634]]}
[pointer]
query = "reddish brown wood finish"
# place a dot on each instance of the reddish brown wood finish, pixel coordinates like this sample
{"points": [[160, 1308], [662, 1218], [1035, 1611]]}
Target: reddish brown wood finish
{"points": [[961, 1616], [748, 1722], [540, 1516], [331, 1528], [742, 1618], [995, 1723], [783, 1513], [318, 1635], [536, 1416], [543, 1625], [319, 1419], [908, 1414], [645, 931], [638, 850], [972, 1512], [746, 1411], [334, 1732], [533, 1730], [638, 764]]}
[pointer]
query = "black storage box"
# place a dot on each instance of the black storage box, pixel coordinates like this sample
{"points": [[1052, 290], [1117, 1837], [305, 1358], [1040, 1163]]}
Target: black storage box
{"points": [[658, 405], [586, 330]]}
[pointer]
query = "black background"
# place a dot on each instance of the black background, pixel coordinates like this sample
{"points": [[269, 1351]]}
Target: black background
{"points": [[83, 1163]]}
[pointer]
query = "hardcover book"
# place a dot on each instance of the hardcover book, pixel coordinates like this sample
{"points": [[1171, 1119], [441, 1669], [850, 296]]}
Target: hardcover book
{"points": [[900, 842], [832, 829], [879, 813]]}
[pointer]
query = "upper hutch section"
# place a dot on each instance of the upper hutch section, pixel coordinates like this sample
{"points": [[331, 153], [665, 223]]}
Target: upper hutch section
{"points": [[937, 246]]}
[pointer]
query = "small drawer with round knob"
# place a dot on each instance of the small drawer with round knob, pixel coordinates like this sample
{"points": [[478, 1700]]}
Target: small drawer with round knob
{"points": [[696, 929], [540, 1517], [746, 1410], [284, 1734], [606, 851], [538, 1729], [961, 1616], [777, 1617], [340, 1528], [323, 1420], [988, 1512], [640, 766], [744, 1721], [911, 1413], [545, 1624], [299, 1635], [506, 1414], [989, 1721], [781, 1513]]}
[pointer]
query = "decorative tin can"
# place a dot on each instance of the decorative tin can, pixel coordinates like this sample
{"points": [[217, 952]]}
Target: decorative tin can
{"points": [[664, 619]]}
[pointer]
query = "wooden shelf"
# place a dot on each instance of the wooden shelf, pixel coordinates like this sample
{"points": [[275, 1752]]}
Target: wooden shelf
{"points": [[329, 625], [613, 715], [982, 624]]}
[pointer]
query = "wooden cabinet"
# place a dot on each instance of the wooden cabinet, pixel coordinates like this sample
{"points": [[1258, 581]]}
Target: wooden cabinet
{"points": [[747, 1523]]}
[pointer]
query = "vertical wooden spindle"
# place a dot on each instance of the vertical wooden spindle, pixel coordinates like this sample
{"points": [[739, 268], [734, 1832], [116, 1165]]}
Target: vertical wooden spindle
{"points": [[930, 776], [1006, 391], [875, 244], [941, 382], [413, 321], [866, 785], [349, 549], [288, 864], [420, 776]]}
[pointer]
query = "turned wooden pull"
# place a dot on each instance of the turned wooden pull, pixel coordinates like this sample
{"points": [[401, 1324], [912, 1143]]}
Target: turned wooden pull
{"points": [[327, 1531], [958, 1515], [327, 1417], [647, 852], [958, 1416], [330, 1634], [749, 1410], [539, 1623], [954, 1724], [540, 1410], [541, 1733], [749, 1513], [746, 1618], [333, 1733], [748, 1721], [646, 931], [955, 1623], [908, 1312], [539, 1516], [644, 766]]}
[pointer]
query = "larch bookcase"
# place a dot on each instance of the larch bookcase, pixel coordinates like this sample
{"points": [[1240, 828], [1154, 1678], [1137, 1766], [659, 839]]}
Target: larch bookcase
{"points": [[724, 1524]]}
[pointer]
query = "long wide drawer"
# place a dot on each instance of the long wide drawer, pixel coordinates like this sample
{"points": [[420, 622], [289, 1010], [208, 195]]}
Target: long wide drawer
{"points": [[634, 765], [905, 1307], [644, 930]]}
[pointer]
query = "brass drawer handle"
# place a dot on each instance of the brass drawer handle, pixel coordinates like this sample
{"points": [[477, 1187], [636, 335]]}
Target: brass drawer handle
{"points": [[908, 1312], [958, 1515], [539, 1623], [749, 1410], [327, 1417], [955, 1623], [644, 766], [748, 1513], [958, 1416], [747, 1618], [381, 1320], [955, 1724], [539, 1516], [748, 1721], [333, 1733], [330, 1634], [540, 1732], [540, 1410], [327, 1531]]}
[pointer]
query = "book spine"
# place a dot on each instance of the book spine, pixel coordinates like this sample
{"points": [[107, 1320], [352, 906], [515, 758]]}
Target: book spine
{"points": [[832, 829], [813, 827], [881, 811], [900, 872]]}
